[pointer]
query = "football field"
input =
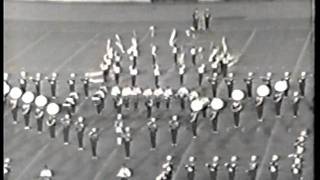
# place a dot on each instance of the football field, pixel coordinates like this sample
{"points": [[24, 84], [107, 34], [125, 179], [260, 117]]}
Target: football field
{"points": [[48, 39]]}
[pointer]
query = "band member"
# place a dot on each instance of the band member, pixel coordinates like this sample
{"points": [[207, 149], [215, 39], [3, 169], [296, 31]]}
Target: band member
{"points": [[168, 93], [154, 54], [207, 17], [156, 73], [181, 74], [136, 92], [127, 141], [196, 107], [124, 173], [201, 71], [126, 92], [232, 167], [167, 169], [119, 104], [205, 102], [174, 125], [182, 94], [262, 92], [152, 31], [68, 104], [115, 93], [248, 80], [94, 137], [213, 167], [195, 18], [46, 173], [72, 82], [287, 79], [105, 68], [229, 82], [214, 84], [23, 81], [193, 95], [117, 59], [253, 167], [193, 52], [98, 99], [27, 99], [296, 102], [158, 95], [66, 122], [37, 83], [267, 80], [40, 101], [80, 128], [117, 71], [119, 126], [153, 128], [53, 84], [216, 105], [175, 54], [224, 66], [274, 167], [133, 74], [6, 168], [15, 95], [215, 67], [236, 106], [86, 84], [52, 109], [98, 102], [297, 168], [51, 123], [147, 93], [191, 168], [6, 87], [199, 54], [302, 83], [280, 87]]}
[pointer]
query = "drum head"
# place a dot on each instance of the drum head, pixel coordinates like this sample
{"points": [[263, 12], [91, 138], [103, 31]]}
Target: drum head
{"points": [[6, 88], [237, 95], [263, 91], [281, 86], [15, 93], [126, 91], [115, 91], [216, 104], [194, 94], [28, 97], [147, 92], [183, 91], [158, 92], [53, 109], [196, 105], [41, 101]]}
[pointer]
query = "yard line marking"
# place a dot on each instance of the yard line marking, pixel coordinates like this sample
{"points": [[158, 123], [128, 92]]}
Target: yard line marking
{"points": [[105, 164], [275, 125], [32, 161], [301, 55], [29, 46], [245, 47], [70, 58]]}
